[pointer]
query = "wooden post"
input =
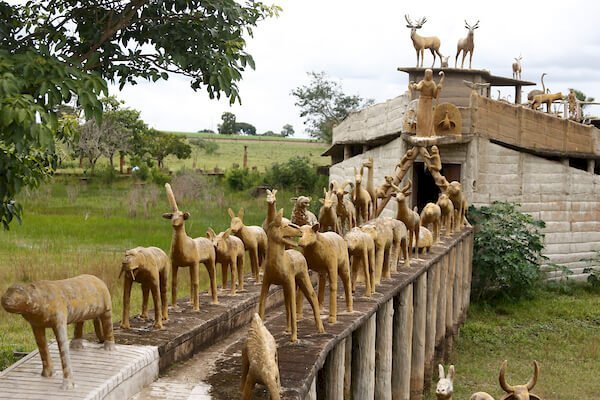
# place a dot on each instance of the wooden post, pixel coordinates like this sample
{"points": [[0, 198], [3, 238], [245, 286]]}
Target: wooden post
{"points": [[312, 392], [418, 338], [457, 294], [518, 94], [348, 367], [363, 360], [449, 298], [440, 330], [433, 286], [245, 162], [469, 275], [402, 344], [383, 351], [331, 376]]}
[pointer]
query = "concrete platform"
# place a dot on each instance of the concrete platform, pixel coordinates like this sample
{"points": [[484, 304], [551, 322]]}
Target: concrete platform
{"points": [[98, 374]]}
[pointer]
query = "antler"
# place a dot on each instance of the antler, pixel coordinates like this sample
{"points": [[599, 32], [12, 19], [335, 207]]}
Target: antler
{"points": [[476, 25], [407, 187], [533, 380], [422, 21], [502, 379], [171, 197], [410, 24]]}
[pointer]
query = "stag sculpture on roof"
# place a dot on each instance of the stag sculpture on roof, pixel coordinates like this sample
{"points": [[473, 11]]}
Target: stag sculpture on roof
{"points": [[466, 45], [423, 42]]}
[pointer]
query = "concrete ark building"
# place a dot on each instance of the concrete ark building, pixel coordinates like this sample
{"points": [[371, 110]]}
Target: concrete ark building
{"points": [[502, 152]]}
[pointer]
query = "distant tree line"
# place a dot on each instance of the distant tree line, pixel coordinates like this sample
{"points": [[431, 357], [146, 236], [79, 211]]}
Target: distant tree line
{"points": [[230, 126]]}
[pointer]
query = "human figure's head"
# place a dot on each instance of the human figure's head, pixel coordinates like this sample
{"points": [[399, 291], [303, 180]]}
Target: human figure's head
{"points": [[428, 74]]}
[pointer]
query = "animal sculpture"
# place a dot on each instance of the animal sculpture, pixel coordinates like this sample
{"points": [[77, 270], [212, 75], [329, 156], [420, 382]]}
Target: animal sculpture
{"points": [[546, 99], [327, 254], [301, 215], [54, 304], [344, 208], [425, 240], [457, 197], [410, 218], [481, 396], [150, 267], [384, 243], [328, 219], [447, 213], [253, 237], [287, 268], [361, 248], [517, 68], [271, 209], [230, 254], [361, 199], [466, 45], [421, 43], [445, 386], [188, 252], [431, 216], [519, 392], [368, 164], [535, 92], [259, 361]]}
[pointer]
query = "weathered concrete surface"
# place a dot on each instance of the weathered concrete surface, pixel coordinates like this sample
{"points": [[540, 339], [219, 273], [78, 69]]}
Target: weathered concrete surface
{"points": [[98, 374]]}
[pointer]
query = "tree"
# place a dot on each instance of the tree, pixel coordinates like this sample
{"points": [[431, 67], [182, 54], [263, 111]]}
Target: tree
{"points": [[53, 51], [324, 105], [228, 125], [582, 97], [161, 144], [287, 130], [245, 128]]}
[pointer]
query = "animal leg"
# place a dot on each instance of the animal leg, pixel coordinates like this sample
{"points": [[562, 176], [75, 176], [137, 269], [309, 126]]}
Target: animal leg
{"points": [[322, 278], [212, 275], [254, 263], [433, 54], [365, 267], [371, 267], [333, 283], [224, 273], [355, 264], [422, 56], [245, 367], [77, 341], [234, 275], [385, 272], [417, 50], [126, 301], [470, 58], [306, 287], [248, 387], [195, 284], [174, 287], [154, 285], [299, 306], [40, 339], [456, 59], [107, 330], [288, 316], [405, 252], [163, 279], [273, 387], [240, 271], [378, 264], [464, 54], [145, 292], [344, 273], [98, 330], [264, 291], [289, 295], [60, 331], [417, 231]]}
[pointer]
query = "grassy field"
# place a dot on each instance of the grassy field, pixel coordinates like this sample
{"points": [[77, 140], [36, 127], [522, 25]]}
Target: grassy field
{"points": [[207, 135], [561, 332]]}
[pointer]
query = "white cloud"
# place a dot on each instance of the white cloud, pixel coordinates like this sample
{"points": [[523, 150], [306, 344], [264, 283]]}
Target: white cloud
{"points": [[362, 44]]}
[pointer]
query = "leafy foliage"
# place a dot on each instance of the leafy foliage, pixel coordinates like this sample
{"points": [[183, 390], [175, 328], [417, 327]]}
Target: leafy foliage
{"points": [[241, 178], [228, 126], [245, 128], [324, 105], [287, 130], [593, 270], [209, 146], [297, 174], [161, 144], [507, 252]]}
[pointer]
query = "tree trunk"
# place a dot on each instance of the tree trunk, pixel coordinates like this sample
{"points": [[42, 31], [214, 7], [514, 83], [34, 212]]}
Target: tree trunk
{"points": [[121, 162]]}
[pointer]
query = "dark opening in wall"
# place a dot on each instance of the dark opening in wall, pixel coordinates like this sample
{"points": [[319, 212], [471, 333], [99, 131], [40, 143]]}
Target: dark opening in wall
{"points": [[424, 188], [579, 163]]}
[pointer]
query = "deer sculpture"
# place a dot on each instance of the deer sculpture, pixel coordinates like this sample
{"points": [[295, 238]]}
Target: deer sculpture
{"points": [[188, 252], [466, 45], [345, 209], [368, 164], [230, 254], [421, 43], [516, 67], [253, 237], [411, 219], [361, 198], [271, 209], [328, 219]]}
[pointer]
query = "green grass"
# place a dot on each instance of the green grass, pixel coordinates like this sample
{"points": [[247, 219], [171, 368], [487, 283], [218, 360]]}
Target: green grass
{"points": [[218, 137], [561, 332], [72, 228]]}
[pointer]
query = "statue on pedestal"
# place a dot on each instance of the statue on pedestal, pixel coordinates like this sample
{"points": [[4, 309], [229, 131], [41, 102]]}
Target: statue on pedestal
{"points": [[429, 90]]}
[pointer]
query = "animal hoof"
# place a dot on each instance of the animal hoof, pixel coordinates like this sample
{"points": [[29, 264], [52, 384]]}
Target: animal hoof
{"points": [[67, 384], [158, 326], [143, 316], [109, 346], [125, 326], [76, 344], [46, 373], [332, 320]]}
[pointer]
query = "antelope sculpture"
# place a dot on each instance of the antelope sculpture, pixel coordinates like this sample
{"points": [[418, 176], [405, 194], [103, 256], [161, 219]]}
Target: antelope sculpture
{"points": [[516, 67], [188, 252], [361, 198], [421, 43], [271, 210], [230, 254], [411, 219], [368, 164], [466, 45], [253, 237], [328, 218], [345, 209]]}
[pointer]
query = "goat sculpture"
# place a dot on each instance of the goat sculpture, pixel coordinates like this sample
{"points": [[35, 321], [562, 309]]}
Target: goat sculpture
{"points": [[517, 68], [445, 386], [421, 43], [188, 252], [253, 237], [466, 45], [519, 392]]}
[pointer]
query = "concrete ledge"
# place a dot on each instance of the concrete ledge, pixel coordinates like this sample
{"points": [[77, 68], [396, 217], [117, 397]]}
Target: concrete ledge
{"points": [[98, 374]]}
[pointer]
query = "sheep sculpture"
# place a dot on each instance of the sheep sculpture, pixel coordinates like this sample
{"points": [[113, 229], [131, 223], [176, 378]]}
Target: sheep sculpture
{"points": [[230, 254], [253, 237], [150, 267], [188, 252]]}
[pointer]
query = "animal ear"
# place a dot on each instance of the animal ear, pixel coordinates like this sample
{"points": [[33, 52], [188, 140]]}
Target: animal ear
{"points": [[241, 213], [408, 192], [210, 233], [322, 201], [293, 199], [316, 227], [231, 213], [280, 213], [186, 215], [167, 215], [226, 233], [269, 192], [274, 192], [451, 373], [441, 372]]}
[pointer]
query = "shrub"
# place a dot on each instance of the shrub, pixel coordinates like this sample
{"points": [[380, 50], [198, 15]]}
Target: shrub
{"points": [[507, 252], [297, 174], [106, 174], [241, 178], [160, 176], [594, 272]]}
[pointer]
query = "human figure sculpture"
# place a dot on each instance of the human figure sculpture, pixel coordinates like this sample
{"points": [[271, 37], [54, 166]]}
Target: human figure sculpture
{"points": [[230, 254], [259, 361], [361, 248], [301, 215], [447, 211], [431, 216], [287, 268], [361, 199], [54, 304], [445, 386], [466, 45], [328, 219], [433, 159], [459, 201], [429, 90], [421, 43], [253, 237], [410, 218], [517, 68], [188, 252], [150, 267], [573, 106], [327, 254]]}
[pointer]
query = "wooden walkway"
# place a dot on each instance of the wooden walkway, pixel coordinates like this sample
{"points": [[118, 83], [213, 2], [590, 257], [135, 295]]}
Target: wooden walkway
{"points": [[98, 374]]}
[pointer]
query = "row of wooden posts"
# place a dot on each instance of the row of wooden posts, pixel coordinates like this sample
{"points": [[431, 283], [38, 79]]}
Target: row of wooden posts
{"points": [[391, 356]]}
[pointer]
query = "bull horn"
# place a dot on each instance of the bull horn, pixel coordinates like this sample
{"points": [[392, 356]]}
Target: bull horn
{"points": [[502, 379], [533, 380], [171, 197]]}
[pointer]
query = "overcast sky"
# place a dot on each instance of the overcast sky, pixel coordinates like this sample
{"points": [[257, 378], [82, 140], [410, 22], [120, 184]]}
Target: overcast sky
{"points": [[361, 44]]}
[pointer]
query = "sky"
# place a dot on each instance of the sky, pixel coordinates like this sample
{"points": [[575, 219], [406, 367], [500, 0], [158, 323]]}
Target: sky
{"points": [[361, 44]]}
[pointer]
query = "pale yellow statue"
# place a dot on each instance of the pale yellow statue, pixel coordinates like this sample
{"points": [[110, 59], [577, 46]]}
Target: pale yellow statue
{"points": [[259, 361], [54, 304], [516, 392], [253, 237], [429, 91]]}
